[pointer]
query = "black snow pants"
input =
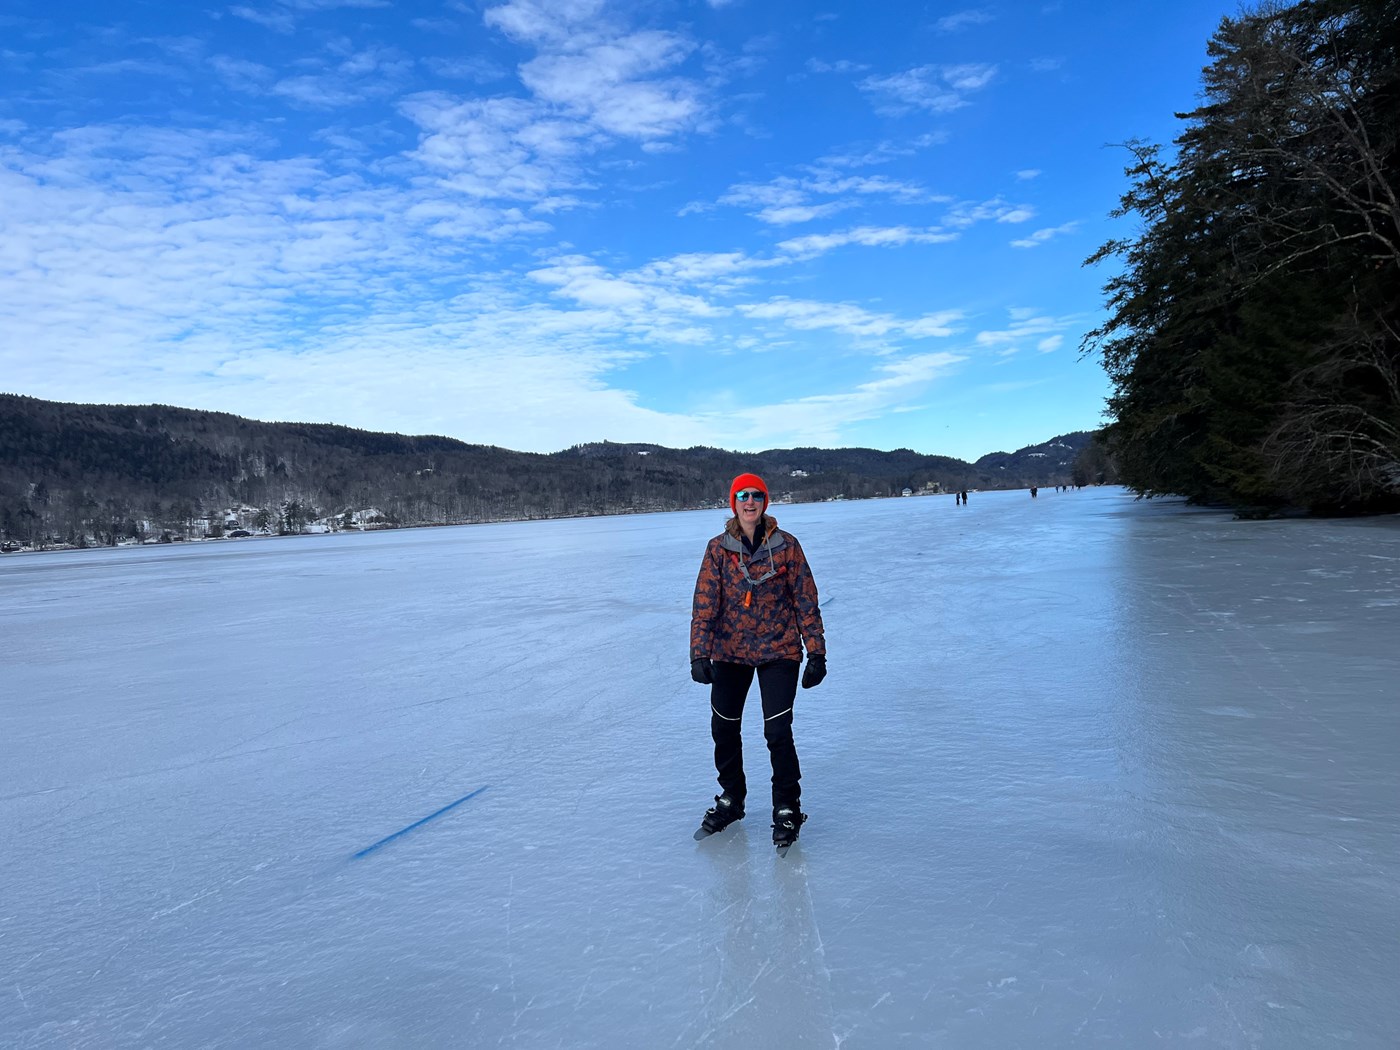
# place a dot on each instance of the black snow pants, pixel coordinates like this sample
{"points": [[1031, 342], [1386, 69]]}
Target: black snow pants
{"points": [[777, 685]]}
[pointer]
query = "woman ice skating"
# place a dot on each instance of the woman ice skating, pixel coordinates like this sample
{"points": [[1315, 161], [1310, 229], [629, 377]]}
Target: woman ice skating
{"points": [[755, 610]]}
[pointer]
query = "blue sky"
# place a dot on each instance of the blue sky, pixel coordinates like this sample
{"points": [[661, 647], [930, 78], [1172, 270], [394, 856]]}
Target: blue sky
{"points": [[742, 223]]}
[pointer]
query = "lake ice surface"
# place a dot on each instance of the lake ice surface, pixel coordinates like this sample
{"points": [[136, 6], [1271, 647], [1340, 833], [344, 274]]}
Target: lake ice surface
{"points": [[1086, 771]]}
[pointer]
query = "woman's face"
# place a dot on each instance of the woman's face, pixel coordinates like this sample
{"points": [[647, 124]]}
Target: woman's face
{"points": [[751, 509]]}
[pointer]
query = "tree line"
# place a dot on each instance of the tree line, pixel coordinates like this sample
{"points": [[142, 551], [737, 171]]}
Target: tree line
{"points": [[101, 474], [1253, 337]]}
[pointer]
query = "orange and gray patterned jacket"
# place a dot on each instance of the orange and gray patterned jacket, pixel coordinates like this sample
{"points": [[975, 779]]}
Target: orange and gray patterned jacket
{"points": [[753, 609]]}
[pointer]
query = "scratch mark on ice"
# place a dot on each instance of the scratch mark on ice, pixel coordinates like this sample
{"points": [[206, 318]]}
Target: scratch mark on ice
{"points": [[418, 823]]}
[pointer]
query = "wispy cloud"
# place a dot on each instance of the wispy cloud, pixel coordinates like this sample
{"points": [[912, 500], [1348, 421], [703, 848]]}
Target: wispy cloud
{"points": [[1027, 328], [881, 152], [552, 24], [476, 68], [822, 419], [607, 85], [592, 84], [850, 319], [789, 199], [842, 65], [281, 15], [936, 89], [1039, 237], [500, 148], [866, 236], [963, 19], [968, 213], [780, 202], [340, 75], [278, 19]]}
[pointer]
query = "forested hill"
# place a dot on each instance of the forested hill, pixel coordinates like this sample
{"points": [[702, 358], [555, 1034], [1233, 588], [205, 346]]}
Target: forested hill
{"points": [[99, 473]]}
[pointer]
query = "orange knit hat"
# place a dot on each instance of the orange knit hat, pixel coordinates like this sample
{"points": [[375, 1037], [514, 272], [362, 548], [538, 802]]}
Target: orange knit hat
{"points": [[745, 481]]}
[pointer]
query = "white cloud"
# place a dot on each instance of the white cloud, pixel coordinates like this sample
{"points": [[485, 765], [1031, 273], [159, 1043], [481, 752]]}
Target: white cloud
{"points": [[277, 19], [867, 236], [786, 214], [1027, 325], [281, 16], [968, 213], [868, 185], [849, 319], [786, 199], [333, 5], [497, 148], [340, 76], [882, 152], [781, 202], [715, 270], [604, 83], [549, 23], [1039, 237], [640, 301], [962, 19], [970, 76], [821, 419], [242, 75], [592, 84], [937, 89]]}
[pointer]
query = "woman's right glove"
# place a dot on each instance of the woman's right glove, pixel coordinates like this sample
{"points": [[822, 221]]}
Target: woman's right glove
{"points": [[814, 672], [701, 671]]}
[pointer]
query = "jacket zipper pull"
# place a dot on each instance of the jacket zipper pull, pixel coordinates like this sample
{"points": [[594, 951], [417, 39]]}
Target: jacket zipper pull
{"points": [[748, 597]]}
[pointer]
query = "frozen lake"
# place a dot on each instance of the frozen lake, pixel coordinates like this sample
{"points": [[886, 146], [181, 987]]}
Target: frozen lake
{"points": [[1085, 772]]}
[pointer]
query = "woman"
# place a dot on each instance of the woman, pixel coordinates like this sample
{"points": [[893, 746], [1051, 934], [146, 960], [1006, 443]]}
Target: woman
{"points": [[755, 608]]}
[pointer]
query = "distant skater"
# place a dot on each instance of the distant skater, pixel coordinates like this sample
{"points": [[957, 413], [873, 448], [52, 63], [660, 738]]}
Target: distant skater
{"points": [[755, 609]]}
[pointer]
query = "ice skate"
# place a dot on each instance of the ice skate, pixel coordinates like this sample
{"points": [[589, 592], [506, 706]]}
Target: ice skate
{"points": [[787, 822], [724, 812]]}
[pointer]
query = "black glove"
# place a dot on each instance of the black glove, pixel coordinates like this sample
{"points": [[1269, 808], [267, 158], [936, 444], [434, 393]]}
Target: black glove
{"points": [[814, 672], [700, 671]]}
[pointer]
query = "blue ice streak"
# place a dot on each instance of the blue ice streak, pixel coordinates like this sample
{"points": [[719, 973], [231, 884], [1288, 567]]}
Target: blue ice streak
{"points": [[417, 823]]}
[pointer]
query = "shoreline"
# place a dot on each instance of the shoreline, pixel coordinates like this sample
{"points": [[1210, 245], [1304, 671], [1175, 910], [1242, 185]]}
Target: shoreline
{"points": [[130, 544]]}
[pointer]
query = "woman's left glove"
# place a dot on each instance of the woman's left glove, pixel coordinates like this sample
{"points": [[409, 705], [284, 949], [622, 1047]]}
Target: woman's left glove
{"points": [[814, 672], [701, 672]]}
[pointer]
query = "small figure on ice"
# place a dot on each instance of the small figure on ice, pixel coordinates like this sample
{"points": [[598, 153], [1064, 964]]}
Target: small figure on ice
{"points": [[755, 610]]}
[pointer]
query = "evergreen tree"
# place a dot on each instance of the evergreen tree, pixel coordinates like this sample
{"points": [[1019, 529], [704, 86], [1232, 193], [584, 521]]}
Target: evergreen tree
{"points": [[1252, 338]]}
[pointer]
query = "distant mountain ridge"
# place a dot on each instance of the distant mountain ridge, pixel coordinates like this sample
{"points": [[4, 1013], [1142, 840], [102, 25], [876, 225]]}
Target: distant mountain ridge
{"points": [[99, 473]]}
